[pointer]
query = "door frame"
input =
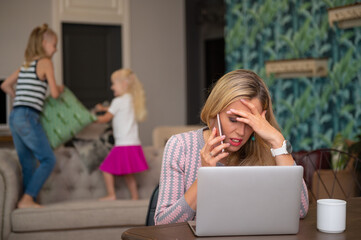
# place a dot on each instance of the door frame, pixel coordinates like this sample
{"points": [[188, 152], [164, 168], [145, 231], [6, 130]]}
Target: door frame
{"points": [[105, 12]]}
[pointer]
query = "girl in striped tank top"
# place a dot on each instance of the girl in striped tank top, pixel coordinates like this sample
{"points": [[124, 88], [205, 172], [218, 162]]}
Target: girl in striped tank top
{"points": [[250, 136], [32, 80]]}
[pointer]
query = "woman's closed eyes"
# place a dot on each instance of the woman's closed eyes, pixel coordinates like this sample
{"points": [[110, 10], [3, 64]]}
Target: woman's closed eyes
{"points": [[233, 119]]}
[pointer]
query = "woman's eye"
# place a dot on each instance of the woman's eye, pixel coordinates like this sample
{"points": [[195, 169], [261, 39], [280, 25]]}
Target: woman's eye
{"points": [[233, 120]]}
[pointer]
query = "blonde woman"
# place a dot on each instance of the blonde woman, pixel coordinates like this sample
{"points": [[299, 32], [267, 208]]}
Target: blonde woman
{"points": [[251, 136], [32, 80], [125, 111]]}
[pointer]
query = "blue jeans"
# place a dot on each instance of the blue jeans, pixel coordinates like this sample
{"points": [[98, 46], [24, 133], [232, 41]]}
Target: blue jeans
{"points": [[31, 143]]}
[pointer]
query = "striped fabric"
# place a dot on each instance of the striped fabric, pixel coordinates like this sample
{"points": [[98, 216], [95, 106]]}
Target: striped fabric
{"points": [[30, 90], [181, 161]]}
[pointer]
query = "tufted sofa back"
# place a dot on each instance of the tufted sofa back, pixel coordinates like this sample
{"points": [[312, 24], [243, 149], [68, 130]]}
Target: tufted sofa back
{"points": [[161, 134], [70, 179]]}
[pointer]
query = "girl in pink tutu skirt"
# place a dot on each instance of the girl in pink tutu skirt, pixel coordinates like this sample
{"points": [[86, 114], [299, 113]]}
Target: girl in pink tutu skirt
{"points": [[126, 110]]}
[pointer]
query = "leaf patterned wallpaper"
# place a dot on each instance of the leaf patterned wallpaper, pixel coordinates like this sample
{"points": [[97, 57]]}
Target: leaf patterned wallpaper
{"points": [[310, 110]]}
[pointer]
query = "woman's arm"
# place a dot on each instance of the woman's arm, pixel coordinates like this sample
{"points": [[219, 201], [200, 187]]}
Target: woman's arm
{"points": [[284, 159], [257, 120], [172, 206], [8, 85], [46, 71], [304, 200], [215, 146], [287, 159]]}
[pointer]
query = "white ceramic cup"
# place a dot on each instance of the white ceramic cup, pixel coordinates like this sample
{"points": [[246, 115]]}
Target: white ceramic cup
{"points": [[331, 215]]}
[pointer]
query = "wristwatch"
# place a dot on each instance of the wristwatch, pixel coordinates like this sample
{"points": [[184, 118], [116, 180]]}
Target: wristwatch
{"points": [[285, 149]]}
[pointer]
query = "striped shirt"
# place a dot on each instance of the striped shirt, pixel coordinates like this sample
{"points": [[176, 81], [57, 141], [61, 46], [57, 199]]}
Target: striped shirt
{"points": [[30, 90], [181, 161]]}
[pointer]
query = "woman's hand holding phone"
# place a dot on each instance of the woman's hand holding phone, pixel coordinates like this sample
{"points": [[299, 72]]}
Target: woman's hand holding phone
{"points": [[213, 150]]}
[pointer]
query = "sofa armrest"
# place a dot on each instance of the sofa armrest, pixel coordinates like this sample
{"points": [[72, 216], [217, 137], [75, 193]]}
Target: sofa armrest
{"points": [[161, 134], [149, 179], [10, 188]]}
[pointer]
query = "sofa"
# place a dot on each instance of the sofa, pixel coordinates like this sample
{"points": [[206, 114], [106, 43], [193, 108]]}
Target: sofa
{"points": [[70, 195]]}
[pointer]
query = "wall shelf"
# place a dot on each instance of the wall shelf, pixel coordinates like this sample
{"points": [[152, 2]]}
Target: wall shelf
{"points": [[347, 16], [294, 68]]}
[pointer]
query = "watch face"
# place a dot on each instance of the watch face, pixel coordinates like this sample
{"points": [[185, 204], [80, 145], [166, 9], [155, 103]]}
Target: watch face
{"points": [[288, 147]]}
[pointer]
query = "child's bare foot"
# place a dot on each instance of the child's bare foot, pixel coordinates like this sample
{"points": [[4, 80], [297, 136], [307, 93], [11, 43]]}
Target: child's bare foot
{"points": [[27, 202], [108, 198]]}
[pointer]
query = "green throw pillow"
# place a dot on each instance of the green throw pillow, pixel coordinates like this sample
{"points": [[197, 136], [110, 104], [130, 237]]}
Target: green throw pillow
{"points": [[64, 117]]}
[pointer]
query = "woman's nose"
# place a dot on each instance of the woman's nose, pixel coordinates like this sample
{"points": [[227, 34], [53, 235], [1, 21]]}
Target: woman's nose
{"points": [[241, 128]]}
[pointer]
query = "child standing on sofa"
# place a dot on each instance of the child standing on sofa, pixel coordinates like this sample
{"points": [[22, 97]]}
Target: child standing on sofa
{"points": [[125, 111], [32, 80]]}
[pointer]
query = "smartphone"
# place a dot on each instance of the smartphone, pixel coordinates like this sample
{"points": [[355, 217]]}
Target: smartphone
{"points": [[219, 126]]}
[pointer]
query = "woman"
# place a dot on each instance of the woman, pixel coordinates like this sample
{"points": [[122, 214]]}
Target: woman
{"points": [[251, 137]]}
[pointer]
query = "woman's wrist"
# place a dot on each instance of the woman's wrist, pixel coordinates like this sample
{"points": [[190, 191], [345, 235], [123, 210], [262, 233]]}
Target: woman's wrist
{"points": [[277, 141]]}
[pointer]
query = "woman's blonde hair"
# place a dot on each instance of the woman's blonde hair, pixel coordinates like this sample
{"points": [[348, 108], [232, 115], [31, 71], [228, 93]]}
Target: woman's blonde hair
{"points": [[135, 88], [230, 88], [35, 48]]}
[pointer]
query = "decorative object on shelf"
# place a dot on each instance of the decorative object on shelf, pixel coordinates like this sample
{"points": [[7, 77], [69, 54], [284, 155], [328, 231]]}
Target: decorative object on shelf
{"points": [[293, 68], [339, 161], [347, 16]]}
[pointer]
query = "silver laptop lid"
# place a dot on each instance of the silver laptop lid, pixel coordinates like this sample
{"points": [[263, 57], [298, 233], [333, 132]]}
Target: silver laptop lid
{"points": [[255, 200]]}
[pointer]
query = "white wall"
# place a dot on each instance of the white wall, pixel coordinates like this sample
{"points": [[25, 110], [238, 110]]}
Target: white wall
{"points": [[157, 54], [158, 57], [17, 19]]}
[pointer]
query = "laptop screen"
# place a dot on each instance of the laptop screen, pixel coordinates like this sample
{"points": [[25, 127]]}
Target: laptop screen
{"points": [[253, 200]]}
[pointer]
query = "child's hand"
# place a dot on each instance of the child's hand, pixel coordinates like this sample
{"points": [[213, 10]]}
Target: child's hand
{"points": [[61, 88], [99, 108], [107, 117]]}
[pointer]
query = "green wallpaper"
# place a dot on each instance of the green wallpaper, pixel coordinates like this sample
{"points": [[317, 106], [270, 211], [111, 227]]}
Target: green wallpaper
{"points": [[310, 111]]}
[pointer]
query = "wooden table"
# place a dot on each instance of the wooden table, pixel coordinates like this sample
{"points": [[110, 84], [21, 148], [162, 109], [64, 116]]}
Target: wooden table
{"points": [[308, 229], [6, 141]]}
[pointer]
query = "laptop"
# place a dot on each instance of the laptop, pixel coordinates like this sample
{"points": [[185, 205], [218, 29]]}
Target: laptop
{"points": [[252, 200]]}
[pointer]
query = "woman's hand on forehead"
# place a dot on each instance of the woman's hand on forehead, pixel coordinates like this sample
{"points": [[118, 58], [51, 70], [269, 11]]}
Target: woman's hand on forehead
{"points": [[251, 106], [250, 115], [248, 108], [256, 120]]}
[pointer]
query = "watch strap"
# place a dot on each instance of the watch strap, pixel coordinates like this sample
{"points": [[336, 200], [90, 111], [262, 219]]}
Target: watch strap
{"points": [[279, 151]]}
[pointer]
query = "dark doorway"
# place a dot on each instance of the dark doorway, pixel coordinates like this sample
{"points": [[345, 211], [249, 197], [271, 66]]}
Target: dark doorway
{"points": [[3, 107], [205, 51], [90, 54], [215, 62]]}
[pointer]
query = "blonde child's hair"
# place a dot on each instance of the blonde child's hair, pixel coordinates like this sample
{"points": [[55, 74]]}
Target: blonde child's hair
{"points": [[230, 88], [135, 88], [35, 48]]}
